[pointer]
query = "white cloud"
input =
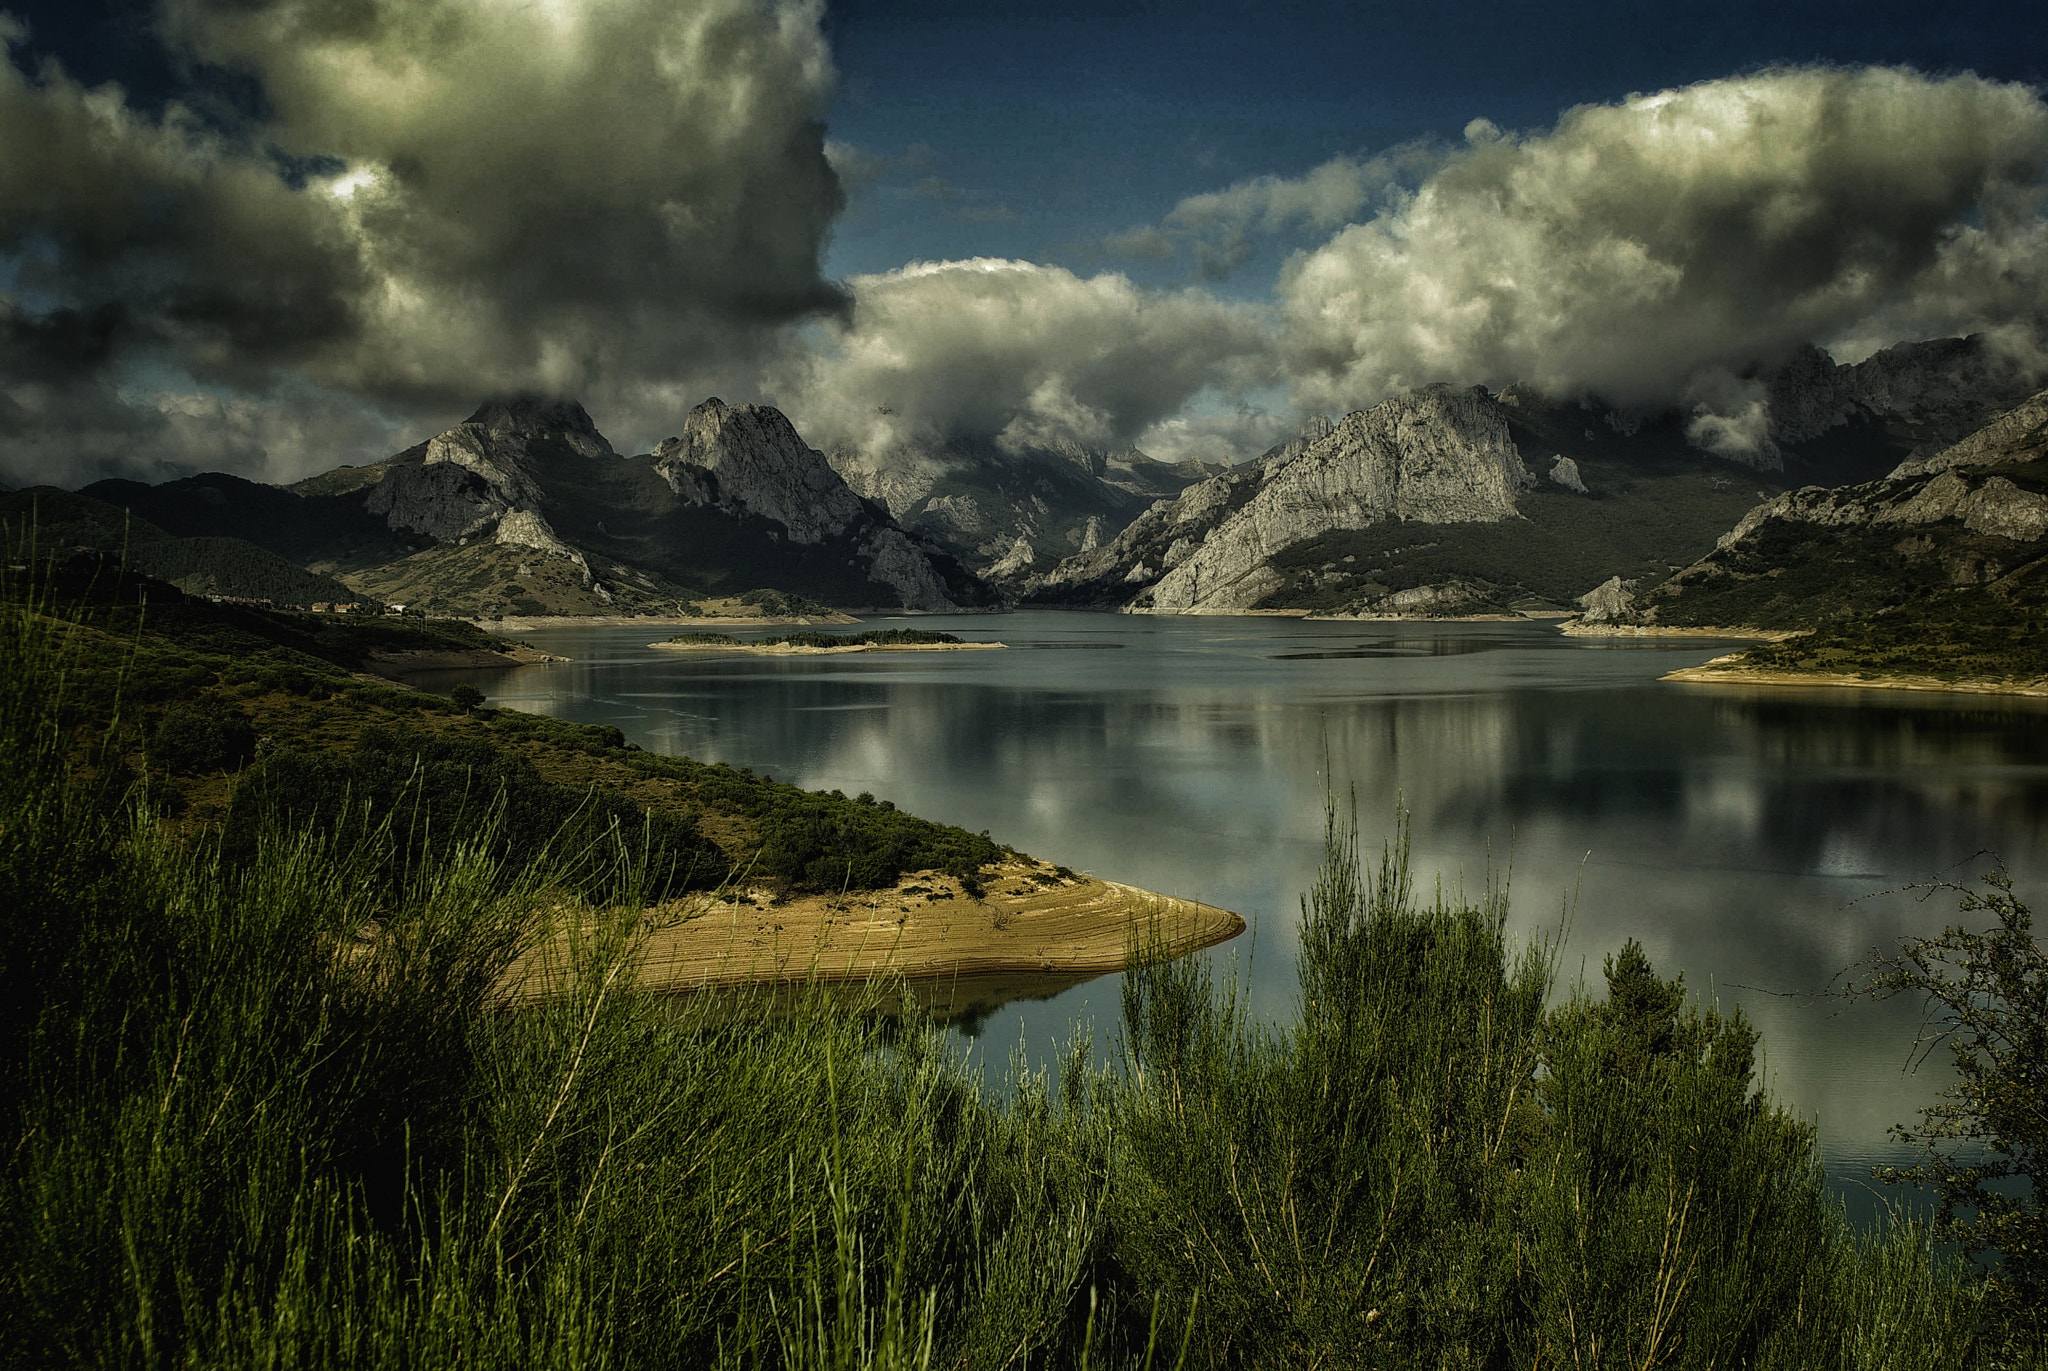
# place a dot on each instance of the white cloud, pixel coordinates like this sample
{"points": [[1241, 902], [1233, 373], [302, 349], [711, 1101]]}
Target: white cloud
{"points": [[1025, 354], [1639, 249]]}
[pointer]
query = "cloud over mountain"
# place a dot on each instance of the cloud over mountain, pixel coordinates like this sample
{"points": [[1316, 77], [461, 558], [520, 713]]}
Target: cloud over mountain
{"points": [[441, 198], [1652, 250], [1025, 354]]}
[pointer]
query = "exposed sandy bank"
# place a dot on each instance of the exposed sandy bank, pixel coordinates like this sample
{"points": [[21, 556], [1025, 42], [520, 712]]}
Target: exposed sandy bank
{"points": [[398, 664], [1580, 629], [1723, 671], [796, 650], [1029, 922]]}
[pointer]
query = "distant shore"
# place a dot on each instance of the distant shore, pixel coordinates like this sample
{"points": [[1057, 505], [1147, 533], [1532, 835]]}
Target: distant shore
{"points": [[1723, 671], [525, 623], [396, 664], [804, 650], [1581, 629]]}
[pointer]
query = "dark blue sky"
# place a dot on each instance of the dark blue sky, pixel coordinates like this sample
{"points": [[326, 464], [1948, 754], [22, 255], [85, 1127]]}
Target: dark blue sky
{"points": [[1034, 130], [1083, 119]]}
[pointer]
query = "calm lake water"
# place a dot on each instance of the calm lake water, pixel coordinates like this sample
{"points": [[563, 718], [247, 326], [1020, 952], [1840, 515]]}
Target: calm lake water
{"points": [[1747, 836]]}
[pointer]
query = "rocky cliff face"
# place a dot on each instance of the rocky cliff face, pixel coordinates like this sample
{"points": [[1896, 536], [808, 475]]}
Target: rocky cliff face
{"points": [[1968, 515], [1437, 456]]}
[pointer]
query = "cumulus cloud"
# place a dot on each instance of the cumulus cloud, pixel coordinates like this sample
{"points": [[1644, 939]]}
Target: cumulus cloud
{"points": [[1657, 250], [1024, 354], [446, 197]]}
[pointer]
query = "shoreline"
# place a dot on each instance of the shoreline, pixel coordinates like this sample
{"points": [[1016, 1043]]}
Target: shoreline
{"points": [[528, 623], [799, 650], [1029, 921], [397, 665], [1581, 629], [1722, 671]]}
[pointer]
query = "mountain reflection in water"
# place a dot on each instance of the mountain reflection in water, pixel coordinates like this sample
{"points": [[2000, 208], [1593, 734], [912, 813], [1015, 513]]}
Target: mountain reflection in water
{"points": [[1744, 834]]}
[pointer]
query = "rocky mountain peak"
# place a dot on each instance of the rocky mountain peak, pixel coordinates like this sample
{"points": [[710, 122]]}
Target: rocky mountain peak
{"points": [[529, 416], [760, 465]]}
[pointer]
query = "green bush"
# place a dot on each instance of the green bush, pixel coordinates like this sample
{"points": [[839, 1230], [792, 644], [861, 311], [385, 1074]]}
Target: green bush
{"points": [[202, 736]]}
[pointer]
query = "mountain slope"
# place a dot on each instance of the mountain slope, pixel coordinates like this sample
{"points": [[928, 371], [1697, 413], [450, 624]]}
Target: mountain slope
{"points": [[51, 520], [1013, 514], [1964, 526], [1453, 502], [525, 509], [1437, 502]]}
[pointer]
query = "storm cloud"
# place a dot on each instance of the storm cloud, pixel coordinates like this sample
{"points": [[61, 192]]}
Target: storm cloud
{"points": [[1025, 354], [440, 199], [1656, 250]]}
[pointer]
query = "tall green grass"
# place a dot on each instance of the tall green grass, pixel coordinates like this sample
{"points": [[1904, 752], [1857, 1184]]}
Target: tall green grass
{"points": [[273, 1112]]}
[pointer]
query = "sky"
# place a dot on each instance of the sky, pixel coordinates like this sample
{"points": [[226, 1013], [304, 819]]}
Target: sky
{"points": [[270, 236]]}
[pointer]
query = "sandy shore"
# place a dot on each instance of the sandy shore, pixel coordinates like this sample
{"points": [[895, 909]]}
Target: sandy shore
{"points": [[1029, 923], [797, 650], [397, 664], [1723, 671], [1580, 629]]}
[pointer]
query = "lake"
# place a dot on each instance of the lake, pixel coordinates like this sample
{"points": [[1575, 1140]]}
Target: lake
{"points": [[1759, 840]]}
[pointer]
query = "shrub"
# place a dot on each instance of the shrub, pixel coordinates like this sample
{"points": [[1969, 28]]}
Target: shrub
{"points": [[201, 736]]}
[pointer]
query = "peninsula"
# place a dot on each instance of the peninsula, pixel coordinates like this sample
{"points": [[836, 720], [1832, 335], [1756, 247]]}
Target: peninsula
{"points": [[821, 644]]}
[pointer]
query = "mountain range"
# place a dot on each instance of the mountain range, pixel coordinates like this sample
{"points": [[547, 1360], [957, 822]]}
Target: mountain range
{"points": [[525, 509], [1441, 502], [1449, 501]]}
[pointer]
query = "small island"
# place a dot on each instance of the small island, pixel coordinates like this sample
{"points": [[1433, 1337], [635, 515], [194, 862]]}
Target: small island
{"points": [[809, 644]]}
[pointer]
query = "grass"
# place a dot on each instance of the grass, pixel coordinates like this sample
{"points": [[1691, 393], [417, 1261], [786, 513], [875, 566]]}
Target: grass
{"points": [[270, 1112]]}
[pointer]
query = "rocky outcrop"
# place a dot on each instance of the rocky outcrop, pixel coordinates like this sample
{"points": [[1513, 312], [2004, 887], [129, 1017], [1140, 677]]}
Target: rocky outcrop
{"points": [[1611, 602], [759, 466], [1565, 472], [1439, 455]]}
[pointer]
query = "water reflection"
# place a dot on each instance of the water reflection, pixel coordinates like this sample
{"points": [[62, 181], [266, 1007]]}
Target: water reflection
{"points": [[1742, 834]]}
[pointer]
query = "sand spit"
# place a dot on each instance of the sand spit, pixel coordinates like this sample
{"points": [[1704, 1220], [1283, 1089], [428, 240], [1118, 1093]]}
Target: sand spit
{"points": [[1723, 671], [1030, 922], [798, 650]]}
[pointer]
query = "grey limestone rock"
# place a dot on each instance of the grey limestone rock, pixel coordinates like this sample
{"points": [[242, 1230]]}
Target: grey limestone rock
{"points": [[1611, 602], [1440, 455], [1565, 472], [760, 467]]}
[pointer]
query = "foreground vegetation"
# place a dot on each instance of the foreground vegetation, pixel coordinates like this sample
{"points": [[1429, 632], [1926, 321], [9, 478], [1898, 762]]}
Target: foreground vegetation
{"points": [[265, 1109], [238, 716]]}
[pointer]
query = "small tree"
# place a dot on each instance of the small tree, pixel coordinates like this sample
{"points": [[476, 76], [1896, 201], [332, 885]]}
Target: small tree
{"points": [[466, 697], [1987, 1001]]}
